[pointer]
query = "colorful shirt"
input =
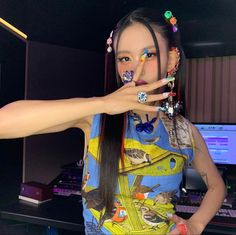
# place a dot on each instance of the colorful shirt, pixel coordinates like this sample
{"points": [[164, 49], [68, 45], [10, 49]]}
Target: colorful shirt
{"points": [[148, 185]]}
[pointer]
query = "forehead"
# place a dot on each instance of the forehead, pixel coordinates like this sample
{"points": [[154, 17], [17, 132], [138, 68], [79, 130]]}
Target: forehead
{"points": [[137, 37]]}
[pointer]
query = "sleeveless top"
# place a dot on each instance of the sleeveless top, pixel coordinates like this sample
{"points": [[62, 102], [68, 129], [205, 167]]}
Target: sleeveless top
{"points": [[148, 184]]}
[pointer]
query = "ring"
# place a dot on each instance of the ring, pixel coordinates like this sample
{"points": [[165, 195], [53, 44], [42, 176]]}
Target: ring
{"points": [[142, 97], [182, 228]]}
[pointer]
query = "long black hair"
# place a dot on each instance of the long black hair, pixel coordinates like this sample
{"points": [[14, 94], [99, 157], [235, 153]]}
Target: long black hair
{"points": [[112, 126]]}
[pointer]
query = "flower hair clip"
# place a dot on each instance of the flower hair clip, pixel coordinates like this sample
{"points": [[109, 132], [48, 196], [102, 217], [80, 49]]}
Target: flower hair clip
{"points": [[171, 20]]}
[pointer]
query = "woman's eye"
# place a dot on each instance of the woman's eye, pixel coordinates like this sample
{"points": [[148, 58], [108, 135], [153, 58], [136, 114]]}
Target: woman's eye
{"points": [[124, 59], [150, 55]]}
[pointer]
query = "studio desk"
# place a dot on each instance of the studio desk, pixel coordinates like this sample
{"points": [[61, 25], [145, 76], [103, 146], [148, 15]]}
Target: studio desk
{"points": [[66, 213]]}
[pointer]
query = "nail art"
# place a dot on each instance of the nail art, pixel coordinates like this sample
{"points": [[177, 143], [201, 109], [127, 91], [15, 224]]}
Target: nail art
{"points": [[160, 109], [128, 76], [170, 215], [168, 79], [144, 55], [166, 94], [172, 94]]}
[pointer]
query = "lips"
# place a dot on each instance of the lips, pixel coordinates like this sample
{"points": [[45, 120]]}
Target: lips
{"points": [[140, 82]]}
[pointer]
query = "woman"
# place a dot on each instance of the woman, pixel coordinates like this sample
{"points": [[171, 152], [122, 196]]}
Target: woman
{"points": [[137, 148]]}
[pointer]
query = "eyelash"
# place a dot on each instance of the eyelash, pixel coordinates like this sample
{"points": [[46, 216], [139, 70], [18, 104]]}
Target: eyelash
{"points": [[151, 54], [123, 59]]}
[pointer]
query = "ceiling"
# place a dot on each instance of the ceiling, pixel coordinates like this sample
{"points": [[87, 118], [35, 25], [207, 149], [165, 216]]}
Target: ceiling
{"points": [[207, 26]]}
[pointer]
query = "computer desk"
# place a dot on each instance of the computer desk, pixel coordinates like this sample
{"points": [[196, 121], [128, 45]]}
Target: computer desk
{"points": [[61, 213], [66, 213]]}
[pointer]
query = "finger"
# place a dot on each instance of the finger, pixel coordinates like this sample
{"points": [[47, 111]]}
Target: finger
{"points": [[148, 108], [129, 84], [139, 70], [155, 85], [162, 96], [174, 232], [176, 219]]}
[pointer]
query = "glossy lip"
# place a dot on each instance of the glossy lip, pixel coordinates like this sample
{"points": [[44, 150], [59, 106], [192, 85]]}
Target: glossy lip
{"points": [[140, 82]]}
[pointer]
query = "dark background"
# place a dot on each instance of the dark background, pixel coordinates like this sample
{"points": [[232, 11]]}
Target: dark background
{"points": [[207, 26]]}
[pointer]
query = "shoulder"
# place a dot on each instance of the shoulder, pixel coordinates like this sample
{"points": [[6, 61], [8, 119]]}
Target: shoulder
{"points": [[177, 121], [198, 141], [178, 128]]}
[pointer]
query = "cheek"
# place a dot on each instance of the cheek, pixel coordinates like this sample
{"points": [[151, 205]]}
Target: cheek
{"points": [[151, 67]]}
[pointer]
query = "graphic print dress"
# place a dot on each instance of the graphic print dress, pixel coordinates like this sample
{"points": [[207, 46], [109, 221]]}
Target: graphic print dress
{"points": [[148, 185]]}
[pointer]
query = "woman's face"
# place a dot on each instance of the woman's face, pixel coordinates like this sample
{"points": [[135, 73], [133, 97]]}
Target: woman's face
{"points": [[133, 40]]}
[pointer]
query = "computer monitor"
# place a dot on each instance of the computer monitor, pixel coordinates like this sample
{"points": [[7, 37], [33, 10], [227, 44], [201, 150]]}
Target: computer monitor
{"points": [[221, 141]]}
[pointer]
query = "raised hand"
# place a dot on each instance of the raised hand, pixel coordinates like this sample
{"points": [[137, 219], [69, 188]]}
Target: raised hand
{"points": [[126, 98]]}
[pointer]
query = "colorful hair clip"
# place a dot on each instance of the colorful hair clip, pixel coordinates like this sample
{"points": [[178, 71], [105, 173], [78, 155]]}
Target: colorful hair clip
{"points": [[171, 20], [109, 42]]}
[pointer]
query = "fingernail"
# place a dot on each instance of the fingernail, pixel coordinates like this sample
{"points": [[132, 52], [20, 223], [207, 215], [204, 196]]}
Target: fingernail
{"points": [[143, 58], [166, 94], [168, 79], [168, 214], [128, 76], [172, 94], [159, 108], [144, 55]]}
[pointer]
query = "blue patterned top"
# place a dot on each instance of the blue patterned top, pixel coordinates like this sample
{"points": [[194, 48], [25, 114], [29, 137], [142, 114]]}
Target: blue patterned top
{"points": [[148, 184]]}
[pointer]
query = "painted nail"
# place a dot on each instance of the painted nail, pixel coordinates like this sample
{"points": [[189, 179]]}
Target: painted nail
{"points": [[160, 109], [166, 94], [168, 79], [172, 94], [168, 214], [144, 55], [143, 58], [128, 76]]}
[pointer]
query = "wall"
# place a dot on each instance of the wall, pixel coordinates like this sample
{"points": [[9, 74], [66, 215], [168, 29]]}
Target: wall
{"points": [[210, 89], [55, 72]]}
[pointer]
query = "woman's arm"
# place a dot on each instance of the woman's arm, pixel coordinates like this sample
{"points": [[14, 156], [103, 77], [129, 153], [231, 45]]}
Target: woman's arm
{"points": [[215, 194], [29, 117]]}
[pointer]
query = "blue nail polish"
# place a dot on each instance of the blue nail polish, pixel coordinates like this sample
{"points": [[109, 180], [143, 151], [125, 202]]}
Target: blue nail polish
{"points": [[145, 51]]}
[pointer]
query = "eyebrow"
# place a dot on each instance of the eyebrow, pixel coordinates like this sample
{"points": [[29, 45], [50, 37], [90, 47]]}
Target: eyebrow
{"points": [[149, 47]]}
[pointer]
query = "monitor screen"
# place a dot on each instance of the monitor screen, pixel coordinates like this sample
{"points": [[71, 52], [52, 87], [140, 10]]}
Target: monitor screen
{"points": [[220, 140]]}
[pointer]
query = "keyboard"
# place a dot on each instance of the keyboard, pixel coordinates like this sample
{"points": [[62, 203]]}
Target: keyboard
{"points": [[192, 209]]}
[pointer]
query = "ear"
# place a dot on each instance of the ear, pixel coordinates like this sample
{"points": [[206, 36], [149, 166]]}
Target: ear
{"points": [[173, 61]]}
